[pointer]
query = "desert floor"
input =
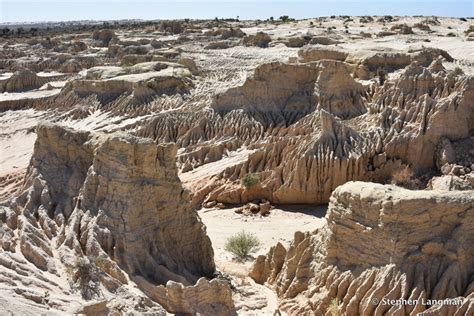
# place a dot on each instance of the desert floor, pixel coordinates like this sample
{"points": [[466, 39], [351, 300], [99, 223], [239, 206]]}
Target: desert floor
{"points": [[279, 226]]}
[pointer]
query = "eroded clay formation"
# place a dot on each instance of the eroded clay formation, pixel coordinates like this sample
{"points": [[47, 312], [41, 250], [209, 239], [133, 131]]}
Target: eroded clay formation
{"points": [[112, 136], [380, 243], [114, 202]]}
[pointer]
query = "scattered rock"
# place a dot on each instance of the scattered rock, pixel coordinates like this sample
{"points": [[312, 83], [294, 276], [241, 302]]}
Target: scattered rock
{"points": [[422, 26], [379, 160], [253, 208], [297, 41], [457, 170], [93, 308], [78, 46], [446, 169], [450, 183], [402, 29], [323, 40], [264, 209], [445, 153], [219, 45], [210, 204], [386, 33], [260, 39], [190, 64], [225, 33], [103, 37], [310, 54]]}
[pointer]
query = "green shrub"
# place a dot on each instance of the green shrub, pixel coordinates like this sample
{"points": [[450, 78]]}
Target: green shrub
{"points": [[458, 71], [85, 276], [286, 19], [334, 307], [242, 244], [250, 179], [382, 76]]}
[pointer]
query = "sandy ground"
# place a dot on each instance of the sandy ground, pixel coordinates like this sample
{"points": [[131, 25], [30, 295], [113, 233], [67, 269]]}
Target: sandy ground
{"points": [[279, 226], [17, 138], [37, 94]]}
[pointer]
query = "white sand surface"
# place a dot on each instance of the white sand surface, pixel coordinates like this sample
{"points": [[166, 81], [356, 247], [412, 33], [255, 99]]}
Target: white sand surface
{"points": [[17, 138], [213, 168], [279, 226], [36, 94]]}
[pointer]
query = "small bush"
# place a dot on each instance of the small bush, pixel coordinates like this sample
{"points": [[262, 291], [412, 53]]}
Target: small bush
{"points": [[85, 277], [286, 19], [402, 175], [382, 76], [457, 72], [250, 179], [173, 27], [242, 244], [334, 307], [100, 261], [405, 178]]}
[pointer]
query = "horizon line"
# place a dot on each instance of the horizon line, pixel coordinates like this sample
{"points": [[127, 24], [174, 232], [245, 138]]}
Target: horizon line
{"points": [[230, 18], [30, 11]]}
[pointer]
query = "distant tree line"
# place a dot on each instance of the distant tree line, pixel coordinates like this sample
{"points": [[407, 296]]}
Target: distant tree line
{"points": [[283, 18], [65, 28]]}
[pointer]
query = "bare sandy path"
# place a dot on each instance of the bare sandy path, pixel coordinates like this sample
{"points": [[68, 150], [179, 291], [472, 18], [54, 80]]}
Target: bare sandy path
{"points": [[279, 226]]}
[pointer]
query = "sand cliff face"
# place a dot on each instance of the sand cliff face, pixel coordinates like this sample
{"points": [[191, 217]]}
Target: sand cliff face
{"points": [[380, 243], [292, 91], [340, 130], [134, 85], [24, 80], [115, 201]]}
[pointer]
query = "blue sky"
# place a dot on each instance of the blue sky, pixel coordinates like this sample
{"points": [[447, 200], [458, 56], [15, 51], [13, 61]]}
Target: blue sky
{"points": [[56, 10]]}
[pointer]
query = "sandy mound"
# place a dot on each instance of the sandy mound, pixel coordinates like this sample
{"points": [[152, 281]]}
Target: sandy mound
{"points": [[380, 243], [99, 213]]}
